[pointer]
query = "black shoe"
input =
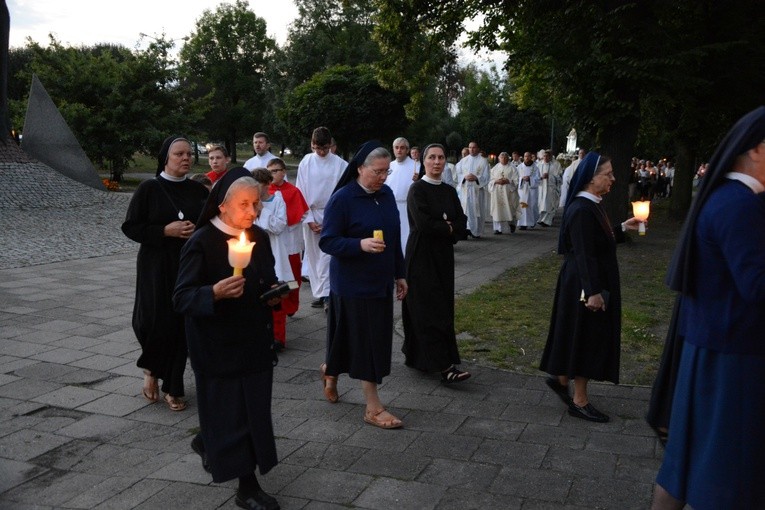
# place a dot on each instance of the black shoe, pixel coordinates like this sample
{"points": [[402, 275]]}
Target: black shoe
{"points": [[469, 234], [522, 228], [257, 500], [453, 375], [199, 448], [559, 389], [587, 412], [305, 279], [512, 228], [319, 303], [497, 232], [278, 346]]}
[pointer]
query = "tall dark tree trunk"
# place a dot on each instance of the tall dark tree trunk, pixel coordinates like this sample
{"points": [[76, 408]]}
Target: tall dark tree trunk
{"points": [[618, 142], [682, 191]]}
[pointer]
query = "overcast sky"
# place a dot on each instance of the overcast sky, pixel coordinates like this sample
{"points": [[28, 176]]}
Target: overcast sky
{"points": [[88, 22]]}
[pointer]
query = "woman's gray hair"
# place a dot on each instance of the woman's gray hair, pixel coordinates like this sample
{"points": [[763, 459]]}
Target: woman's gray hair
{"points": [[241, 183], [378, 153]]}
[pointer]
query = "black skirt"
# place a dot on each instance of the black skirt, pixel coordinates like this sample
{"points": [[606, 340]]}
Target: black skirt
{"points": [[360, 337], [235, 417]]}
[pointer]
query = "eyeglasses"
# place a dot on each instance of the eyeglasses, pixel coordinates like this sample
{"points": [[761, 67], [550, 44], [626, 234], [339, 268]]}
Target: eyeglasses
{"points": [[378, 173]]}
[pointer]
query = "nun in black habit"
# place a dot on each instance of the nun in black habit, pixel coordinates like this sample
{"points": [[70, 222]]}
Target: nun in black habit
{"points": [[437, 222], [585, 328], [161, 217], [230, 337]]}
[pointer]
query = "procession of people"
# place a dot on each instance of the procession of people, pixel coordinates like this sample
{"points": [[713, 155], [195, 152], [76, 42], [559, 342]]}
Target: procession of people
{"points": [[383, 228]]}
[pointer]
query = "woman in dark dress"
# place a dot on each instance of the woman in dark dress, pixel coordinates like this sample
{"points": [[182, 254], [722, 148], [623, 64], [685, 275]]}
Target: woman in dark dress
{"points": [[362, 273], [230, 336], [585, 327], [436, 221], [161, 217]]}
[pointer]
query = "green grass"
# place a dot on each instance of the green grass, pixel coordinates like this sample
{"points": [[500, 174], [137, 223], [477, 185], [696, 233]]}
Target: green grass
{"points": [[504, 324]]}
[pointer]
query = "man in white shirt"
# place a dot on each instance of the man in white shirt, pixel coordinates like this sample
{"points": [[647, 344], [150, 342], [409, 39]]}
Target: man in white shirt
{"points": [[567, 175], [472, 174], [551, 174], [262, 146], [528, 192], [318, 174], [403, 172]]}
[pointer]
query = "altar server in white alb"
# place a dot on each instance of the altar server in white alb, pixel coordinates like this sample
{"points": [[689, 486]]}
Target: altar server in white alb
{"points": [[551, 175], [528, 192], [402, 174], [503, 188], [472, 177], [318, 174], [568, 173]]}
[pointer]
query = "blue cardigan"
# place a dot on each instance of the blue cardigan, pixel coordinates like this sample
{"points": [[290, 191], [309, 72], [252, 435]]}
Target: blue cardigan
{"points": [[351, 215], [727, 310]]}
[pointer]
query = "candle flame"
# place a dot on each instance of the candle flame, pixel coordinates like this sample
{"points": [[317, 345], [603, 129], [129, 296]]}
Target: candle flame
{"points": [[641, 210], [242, 239]]}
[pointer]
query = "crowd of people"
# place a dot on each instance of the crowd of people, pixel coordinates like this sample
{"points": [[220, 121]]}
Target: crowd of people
{"points": [[382, 228]]}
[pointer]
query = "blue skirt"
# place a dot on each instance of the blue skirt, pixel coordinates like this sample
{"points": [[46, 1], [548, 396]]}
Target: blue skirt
{"points": [[715, 457]]}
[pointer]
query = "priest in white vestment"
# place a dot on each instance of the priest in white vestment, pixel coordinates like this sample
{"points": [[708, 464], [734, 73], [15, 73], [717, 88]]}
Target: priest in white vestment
{"points": [[528, 192], [318, 174], [472, 175], [568, 173], [401, 177], [262, 147], [503, 189], [551, 174]]}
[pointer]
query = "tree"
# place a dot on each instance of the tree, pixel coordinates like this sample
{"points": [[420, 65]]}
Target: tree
{"points": [[226, 60], [488, 116], [603, 63], [116, 102], [350, 102], [328, 33]]}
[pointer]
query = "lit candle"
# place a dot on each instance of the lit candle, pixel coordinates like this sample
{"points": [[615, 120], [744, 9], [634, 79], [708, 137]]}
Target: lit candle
{"points": [[641, 210], [239, 253]]}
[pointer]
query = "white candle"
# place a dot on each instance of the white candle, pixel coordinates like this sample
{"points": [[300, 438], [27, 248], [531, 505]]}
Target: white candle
{"points": [[641, 210], [239, 253]]}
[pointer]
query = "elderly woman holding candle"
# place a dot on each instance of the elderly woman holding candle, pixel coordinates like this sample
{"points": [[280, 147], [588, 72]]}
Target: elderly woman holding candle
{"points": [[161, 217], [362, 234], [585, 328], [230, 336]]}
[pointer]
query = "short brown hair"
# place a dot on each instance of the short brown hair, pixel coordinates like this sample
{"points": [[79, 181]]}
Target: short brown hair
{"points": [[262, 175], [275, 162], [321, 136]]}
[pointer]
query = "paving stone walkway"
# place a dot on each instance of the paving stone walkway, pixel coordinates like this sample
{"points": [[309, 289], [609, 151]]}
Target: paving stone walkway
{"points": [[76, 433]]}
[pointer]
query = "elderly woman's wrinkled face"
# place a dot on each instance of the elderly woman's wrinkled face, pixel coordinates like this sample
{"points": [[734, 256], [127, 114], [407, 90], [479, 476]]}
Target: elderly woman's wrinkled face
{"points": [[178, 159], [434, 162], [373, 175], [602, 180], [241, 207]]}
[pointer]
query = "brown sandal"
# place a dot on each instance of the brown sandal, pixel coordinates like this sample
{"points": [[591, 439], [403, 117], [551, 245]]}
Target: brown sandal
{"points": [[175, 403], [150, 389], [330, 392], [377, 419]]}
